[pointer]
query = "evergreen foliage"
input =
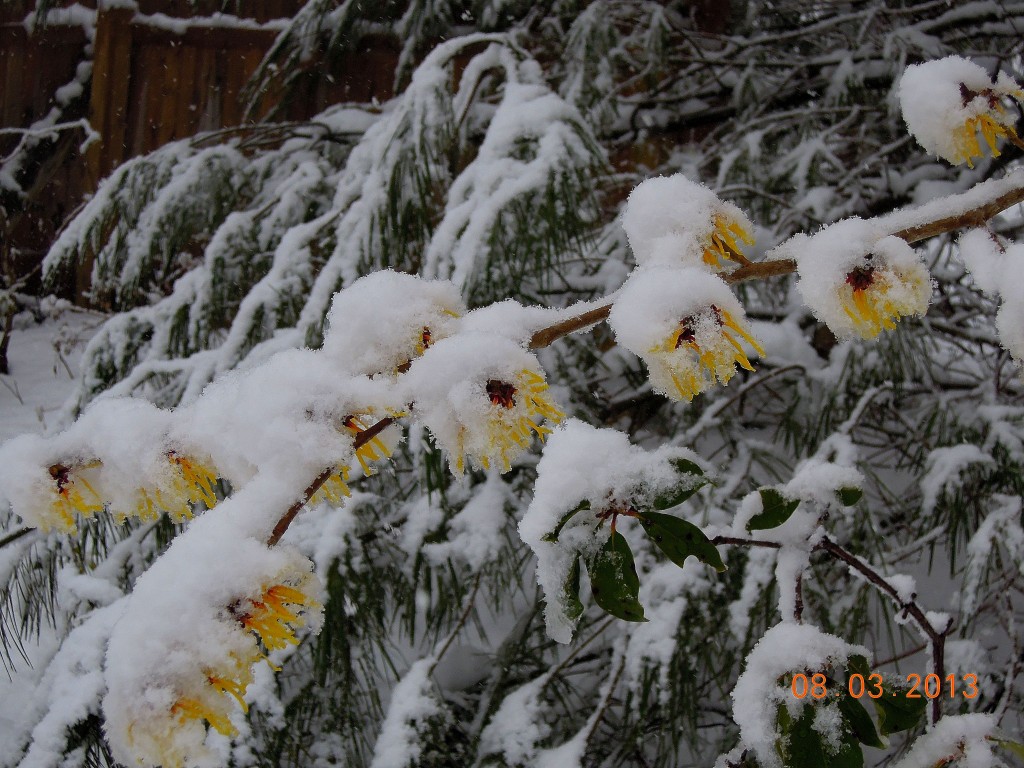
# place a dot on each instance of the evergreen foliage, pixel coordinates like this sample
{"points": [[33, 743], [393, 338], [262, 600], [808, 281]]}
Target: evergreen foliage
{"points": [[502, 165]]}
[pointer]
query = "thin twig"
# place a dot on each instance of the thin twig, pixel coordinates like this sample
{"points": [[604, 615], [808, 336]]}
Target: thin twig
{"points": [[361, 439], [745, 542], [901, 656], [470, 602], [936, 638], [798, 604]]}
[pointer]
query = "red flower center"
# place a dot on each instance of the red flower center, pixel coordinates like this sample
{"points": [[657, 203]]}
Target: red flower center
{"points": [[861, 278], [501, 393]]}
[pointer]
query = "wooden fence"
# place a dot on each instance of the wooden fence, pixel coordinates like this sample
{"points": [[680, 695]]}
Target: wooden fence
{"points": [[152, 82]]}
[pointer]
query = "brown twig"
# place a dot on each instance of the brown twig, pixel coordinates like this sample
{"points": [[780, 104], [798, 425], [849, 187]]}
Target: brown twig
{"points": [[745, 542], [936, 638], [361, 439]]}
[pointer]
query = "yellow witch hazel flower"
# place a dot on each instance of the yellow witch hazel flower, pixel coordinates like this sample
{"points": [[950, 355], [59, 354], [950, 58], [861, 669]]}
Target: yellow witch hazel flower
{"points": [[952, 105], [180, 661], [687, 327], [673, 221], [483, 398], [272, 617], [187, 482], [857, 282], [703, 349], [213, 702], [72, 494]]}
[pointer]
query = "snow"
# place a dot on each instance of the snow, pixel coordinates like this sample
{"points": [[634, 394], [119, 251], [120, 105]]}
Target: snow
{"points": [[856, 279], [43, 359], [481, 396], [985, 258], [69, 688], [966, 737], [412, 705], [364, 340], [180, 26], [1001, 528], [673, 221], [943, 470], [218, 566], [476, 532]]}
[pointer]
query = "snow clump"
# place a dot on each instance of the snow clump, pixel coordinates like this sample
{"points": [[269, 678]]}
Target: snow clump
{"points": [[671, 220], [482, 396]]}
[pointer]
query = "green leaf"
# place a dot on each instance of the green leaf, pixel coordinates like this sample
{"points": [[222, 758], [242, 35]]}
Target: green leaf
{"points": [[613, 580], [858, 665], [807, 750], [775, 510], [571, 593], [553, 535], [859, 721], [849, 496], [686, 467], [687, 486], [679, 539], [895, 711]]}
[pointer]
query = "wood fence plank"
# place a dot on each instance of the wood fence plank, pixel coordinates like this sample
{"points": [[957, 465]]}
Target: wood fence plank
{"points": [[111, 74], [152, 72], [187, 106], [171, 93]]}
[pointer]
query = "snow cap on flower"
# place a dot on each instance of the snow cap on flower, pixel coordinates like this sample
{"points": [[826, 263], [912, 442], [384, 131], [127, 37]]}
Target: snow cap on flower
{"points": [[673, 221], [686, 325], [482, 396], [385, 319], [947, 103], [857, 280], [181, 657], [286, 415]]}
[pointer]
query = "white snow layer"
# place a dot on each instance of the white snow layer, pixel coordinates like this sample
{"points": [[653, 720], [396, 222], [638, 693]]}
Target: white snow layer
{"points": [[673, 221], [383, 320], [857, 279], [996, 267]]}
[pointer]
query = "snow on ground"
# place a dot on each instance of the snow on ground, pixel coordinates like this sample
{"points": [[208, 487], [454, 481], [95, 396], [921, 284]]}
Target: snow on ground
{"points": [[43, 360]]}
